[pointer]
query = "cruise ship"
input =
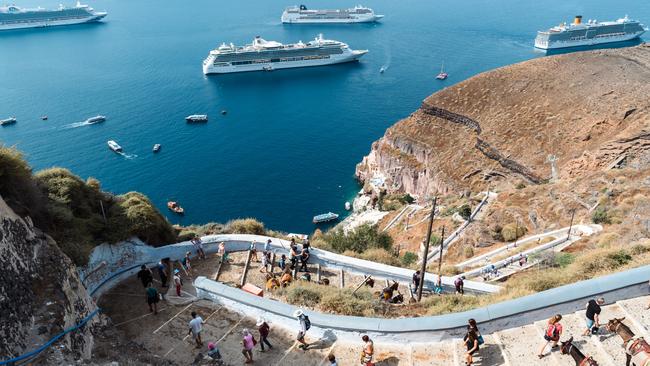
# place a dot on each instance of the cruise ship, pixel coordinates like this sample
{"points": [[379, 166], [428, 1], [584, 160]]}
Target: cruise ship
{"points": [[263, 55], [358, 14], [589, 33], [13, 17]]}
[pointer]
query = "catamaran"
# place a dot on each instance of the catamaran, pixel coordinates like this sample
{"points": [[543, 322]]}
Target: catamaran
{"points": [[442, 75]]}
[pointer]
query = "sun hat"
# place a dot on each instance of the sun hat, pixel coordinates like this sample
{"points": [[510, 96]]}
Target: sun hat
{"points": [[298, 313], [260, 321]]}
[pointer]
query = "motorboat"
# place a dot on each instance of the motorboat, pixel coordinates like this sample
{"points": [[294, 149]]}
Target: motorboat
{"points": [[330, 216], [44, 118], [348, 206], [8, 121], [174, 207], [197, 118], [114, 146], [156, 148], [96, 119]]}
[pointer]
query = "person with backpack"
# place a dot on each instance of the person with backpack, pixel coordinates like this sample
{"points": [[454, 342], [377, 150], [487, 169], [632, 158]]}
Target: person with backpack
{"points": [[552, 334], [472, 325], [459, 283], [471, 342], [214, 354], [161, 273], [264, 329], [152, 298], [592, 315], [145, 276], [248, 343], [368, 351], [305, 324]]}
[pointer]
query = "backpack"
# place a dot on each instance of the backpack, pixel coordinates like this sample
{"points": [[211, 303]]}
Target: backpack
{"points": [[307, 322], [552, 332]]}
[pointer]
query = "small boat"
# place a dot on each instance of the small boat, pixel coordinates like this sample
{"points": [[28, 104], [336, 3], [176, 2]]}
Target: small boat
{"points": [[382, 70], [156, 148], [44, 118], [96, 119], [8, 121], [348, 206], [325, 217], [267, 68], [114, 146], [175, 207], [223, 112], [442, 75], [197, 118]]}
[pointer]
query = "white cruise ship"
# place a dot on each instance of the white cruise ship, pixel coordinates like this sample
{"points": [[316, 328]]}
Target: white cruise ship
{"points": [[588, 34], [300, 14], [13, 17], [262, 55]]}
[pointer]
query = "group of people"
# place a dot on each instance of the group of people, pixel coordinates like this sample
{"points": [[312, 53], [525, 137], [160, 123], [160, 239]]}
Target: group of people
{"points": [[417, 278]]}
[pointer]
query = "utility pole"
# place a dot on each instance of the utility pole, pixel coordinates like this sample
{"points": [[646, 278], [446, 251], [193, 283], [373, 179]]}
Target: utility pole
{"points": [[442, 241], [425, 254], [568, 235]]}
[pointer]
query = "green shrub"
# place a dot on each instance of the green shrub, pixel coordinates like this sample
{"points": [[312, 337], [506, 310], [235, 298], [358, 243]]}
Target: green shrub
{"points": [[449, 303], [359, 239], [468, 251], [378, 255], [520, 185], [564, 259], [409, 258], [639, 249], [512, 232], [245, 226], [302, 296], [465, 211], [601, 216]]}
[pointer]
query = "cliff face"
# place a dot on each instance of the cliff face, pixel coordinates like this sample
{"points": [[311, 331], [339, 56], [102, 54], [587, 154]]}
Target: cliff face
{"points": [[590, 110], [40, 293]]}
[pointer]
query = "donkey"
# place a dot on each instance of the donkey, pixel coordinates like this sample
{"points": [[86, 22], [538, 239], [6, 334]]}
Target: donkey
{"points": [[581, 360], [637, 350]]}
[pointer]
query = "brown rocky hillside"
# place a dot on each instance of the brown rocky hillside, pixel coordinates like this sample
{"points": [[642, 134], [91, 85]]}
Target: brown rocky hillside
{"points": [[589, 109]]}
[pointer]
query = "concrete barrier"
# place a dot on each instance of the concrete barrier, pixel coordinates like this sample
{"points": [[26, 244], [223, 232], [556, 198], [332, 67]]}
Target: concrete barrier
{"points": [[492, 318]]}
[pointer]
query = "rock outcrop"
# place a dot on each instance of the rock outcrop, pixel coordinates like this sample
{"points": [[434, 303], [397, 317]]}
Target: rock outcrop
{"points": [[589, 110], [40, 293]]}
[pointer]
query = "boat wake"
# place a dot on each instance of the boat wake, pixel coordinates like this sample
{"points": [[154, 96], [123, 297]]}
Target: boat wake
{"points": [[128, 156], [76, 124]]}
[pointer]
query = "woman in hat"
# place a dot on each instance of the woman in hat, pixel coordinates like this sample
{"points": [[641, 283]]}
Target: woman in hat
{"points": [[178, 282], [264, 330]]}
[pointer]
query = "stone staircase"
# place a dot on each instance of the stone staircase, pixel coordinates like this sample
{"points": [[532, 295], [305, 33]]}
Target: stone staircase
{"points": [[517, 346]]}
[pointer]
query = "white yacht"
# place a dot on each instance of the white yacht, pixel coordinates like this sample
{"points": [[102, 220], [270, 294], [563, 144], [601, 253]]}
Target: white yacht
{"points": [[96, 119], [114, 146], [13, 17], [197, 118], [263, 55], [302, 15], [8, 121]]}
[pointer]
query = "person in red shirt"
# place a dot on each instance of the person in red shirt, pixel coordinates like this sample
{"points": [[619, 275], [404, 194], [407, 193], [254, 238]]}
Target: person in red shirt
{"points": [[264, 330]]}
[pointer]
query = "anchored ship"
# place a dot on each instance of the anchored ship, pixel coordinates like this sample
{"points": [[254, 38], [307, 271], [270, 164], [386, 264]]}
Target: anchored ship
{"points": [[13, 17], [358, 14], [589, 34], [263, 55]]}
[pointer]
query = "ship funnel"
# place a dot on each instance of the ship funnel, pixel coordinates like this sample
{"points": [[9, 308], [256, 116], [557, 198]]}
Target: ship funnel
{"points": [[578, 19]]}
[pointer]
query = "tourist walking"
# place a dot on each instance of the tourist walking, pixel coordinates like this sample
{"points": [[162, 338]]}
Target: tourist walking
{"points": [[196, 326], [304, 324], [437, 289], [145, 276], [198, 246], [222, 252], [416, 281], [178, 282], [187, 263], [152, 298], [267, 246], [248, 343], [473, 326], [282, 263], [304, 259], [552, 334], [459, 283], [162, 269], [592, 315], [471, 342], [264, 329], [332, 359], [305, 242], [293, 254], [368, 351], [253, 250]]}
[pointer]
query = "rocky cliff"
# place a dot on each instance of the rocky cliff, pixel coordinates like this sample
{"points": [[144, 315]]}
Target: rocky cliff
{"points": [[589, 110], [40, 294]]}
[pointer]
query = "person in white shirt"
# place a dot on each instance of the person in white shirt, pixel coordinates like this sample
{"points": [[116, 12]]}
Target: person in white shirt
{"points": [[196, 326]]}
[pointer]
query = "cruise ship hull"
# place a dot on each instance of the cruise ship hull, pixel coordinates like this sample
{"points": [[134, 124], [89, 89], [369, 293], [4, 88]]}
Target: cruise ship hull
{"points": [[357, 19], [52, 23], [208, 68], [553, 45]]}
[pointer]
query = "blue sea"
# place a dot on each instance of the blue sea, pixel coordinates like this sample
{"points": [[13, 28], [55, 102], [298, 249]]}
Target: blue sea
{"points": [[287, 148]]}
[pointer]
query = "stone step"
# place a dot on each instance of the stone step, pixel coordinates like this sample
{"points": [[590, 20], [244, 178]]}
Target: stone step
{"points": [[437, 354], [521, 346], [554, 355], [637, 312], [574, 325]]}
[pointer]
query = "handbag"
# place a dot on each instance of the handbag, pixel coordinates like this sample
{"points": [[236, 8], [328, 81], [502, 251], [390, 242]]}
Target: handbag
{"points": [[480, 340]]}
